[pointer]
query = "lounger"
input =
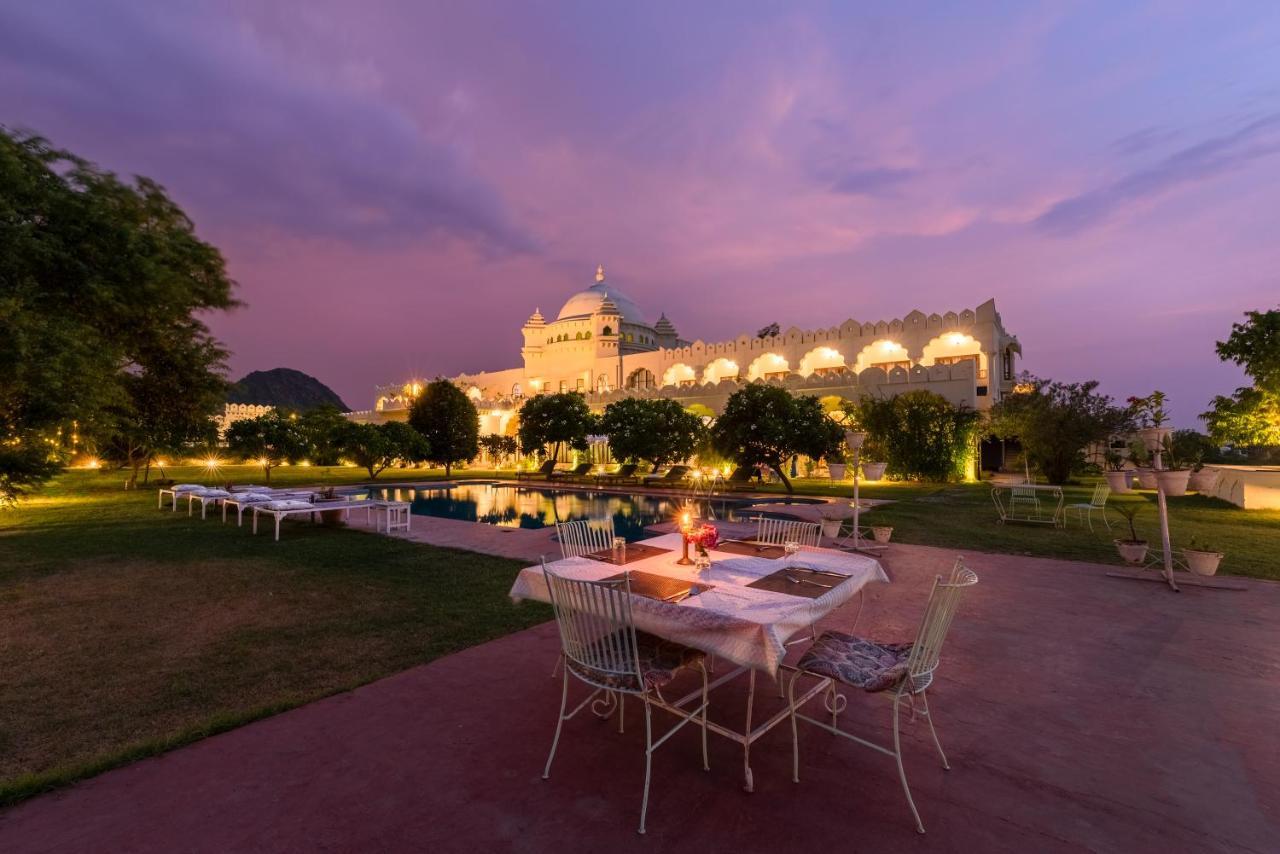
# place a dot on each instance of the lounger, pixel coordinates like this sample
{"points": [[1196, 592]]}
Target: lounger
{"points": [[544, 471], [578, 472], [292, 507], [741, 478], [673, 476], [205, 497], [243, 500], [173, 492], [625, 474]]}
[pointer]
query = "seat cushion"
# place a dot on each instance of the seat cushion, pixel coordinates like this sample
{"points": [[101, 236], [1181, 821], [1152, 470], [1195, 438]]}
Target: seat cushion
{"points": [[857, 661], [660, 661]]}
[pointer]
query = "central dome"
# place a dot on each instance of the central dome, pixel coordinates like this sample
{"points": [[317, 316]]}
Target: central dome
{"points": [[588, 302]]}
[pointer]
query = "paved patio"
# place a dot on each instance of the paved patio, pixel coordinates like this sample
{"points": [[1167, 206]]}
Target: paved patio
{"points": [[1080, 712]]}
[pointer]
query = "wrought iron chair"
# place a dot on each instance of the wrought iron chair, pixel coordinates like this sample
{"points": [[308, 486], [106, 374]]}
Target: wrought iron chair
{"points": [[900, 672], [1024, 495], [585, 536], [779, 531], [603, 650], [1097, 504]]}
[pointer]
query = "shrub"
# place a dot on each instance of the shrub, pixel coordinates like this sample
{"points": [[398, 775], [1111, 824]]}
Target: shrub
{"points": [[921, 434]]}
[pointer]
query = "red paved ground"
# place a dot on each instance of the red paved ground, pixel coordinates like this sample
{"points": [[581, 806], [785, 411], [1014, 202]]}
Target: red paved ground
{"points": [[1079, 712]]}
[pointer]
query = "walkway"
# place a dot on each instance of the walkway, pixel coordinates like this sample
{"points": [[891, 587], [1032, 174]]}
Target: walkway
{"points": [[1080, 713]]}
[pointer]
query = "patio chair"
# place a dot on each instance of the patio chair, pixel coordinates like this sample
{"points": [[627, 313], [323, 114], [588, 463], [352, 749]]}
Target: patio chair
{"points": [[585, 536], [777, 532], [579, 471], [741, 478], [625, 473], [603, 650], [543, 471], [1025, 495], [899, 672], [674, 476], [1097, 504]]}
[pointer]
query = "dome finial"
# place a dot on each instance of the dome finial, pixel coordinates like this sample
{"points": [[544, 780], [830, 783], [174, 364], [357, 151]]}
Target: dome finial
{"points": [[599, 272]]}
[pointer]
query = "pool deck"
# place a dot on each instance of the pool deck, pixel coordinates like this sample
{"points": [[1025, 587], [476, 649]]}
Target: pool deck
{"points": [[1080, 713]]}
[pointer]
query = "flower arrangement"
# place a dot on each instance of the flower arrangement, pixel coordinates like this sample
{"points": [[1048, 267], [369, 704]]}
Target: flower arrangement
{"points": [[703, 537]]}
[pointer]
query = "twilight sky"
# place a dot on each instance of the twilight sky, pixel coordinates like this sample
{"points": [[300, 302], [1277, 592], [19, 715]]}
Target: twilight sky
{"points": [[396, 186]]}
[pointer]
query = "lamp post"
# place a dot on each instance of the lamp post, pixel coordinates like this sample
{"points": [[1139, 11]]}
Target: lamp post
{"points": [[854, 439], [1154, 442]]}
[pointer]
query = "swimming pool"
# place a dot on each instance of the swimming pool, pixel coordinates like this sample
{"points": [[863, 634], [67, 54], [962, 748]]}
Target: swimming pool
{"points": [[539, 507]]}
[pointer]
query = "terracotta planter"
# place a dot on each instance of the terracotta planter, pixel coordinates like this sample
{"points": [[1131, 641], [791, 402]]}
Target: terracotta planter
{"points": [[873, 471], [1204, 481], [1173, 481], [881, 533], [837, 470], [1119, 481], [1132, 552], [1202, 563], [1146, 478]]}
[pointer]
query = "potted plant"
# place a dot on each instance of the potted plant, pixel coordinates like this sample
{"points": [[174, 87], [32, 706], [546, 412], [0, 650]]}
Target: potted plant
{"points": [[873, 451], [1134, 549], [1201, 558], [1151, 417], [1141, 459], [837, 466], [1175, 475], [832, 516], [1117, 477], [1203, 480], [881, 533], [328, 518]]}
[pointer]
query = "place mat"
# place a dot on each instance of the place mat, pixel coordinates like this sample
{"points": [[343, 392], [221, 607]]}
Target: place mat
{"points": [[632, 553], [811, 586], [739, 547], [663, 587]]}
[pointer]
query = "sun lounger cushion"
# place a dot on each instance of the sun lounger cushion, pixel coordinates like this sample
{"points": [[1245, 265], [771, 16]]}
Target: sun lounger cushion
{"points": [[214, 493], [289, 504], [187, 487], [252, 497]]}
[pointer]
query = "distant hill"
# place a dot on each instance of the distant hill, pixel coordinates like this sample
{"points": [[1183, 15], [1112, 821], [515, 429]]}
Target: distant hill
{"points": [[285, 388]]}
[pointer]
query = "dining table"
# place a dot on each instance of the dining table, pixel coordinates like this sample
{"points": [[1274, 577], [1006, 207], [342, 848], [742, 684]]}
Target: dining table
{"points": [[744, 608]]}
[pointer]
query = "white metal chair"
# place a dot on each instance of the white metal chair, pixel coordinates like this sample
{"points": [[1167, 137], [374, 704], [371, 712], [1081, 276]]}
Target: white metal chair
{"points": [[779, 531], [603, 650], [898, 671], [1025, 495], [1097, 504], [585, 536]]}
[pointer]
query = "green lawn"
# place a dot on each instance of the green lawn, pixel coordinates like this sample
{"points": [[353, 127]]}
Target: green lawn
{"points": [[125, 631]]}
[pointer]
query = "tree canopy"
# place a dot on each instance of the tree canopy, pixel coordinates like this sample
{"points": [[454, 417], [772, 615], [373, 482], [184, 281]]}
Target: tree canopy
{"points": [[555, 419], [379, 446], [767, 425], [323, 429], [658, 431], [269, 439], [1251, 416], [98, 278], [448, 420], [1056, 422]]}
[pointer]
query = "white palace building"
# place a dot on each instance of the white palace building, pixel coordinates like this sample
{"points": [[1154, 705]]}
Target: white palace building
{"points": [[602, 344]]}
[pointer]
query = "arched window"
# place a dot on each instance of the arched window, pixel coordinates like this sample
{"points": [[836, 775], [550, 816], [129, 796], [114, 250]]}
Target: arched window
{"points": [[681, 375], [883, 354], [770, 366], [641, 378], [587, 334], [720, 369], [821, 361], [608, 330]]}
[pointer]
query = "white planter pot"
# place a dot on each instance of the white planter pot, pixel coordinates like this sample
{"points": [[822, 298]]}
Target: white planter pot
{"points": [[1204, 481], [1153, 437], [1202, 563], [831, 528], [1174, 482], [837, 470], [873, 471], [1146, 478], [1119, 481], [881, 533], [1134, 553]]}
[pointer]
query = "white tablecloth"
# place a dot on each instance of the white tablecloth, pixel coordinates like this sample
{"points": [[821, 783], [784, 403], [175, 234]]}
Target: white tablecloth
{"points": [[742, 624]]}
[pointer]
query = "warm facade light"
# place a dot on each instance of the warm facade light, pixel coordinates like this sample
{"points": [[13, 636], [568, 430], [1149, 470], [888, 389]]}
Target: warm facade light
{"points": [[93, 464], [212, 463], [262, 461]]}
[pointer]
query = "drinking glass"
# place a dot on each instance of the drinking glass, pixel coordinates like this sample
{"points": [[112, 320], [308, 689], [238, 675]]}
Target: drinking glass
{"points": [[791, 547]]}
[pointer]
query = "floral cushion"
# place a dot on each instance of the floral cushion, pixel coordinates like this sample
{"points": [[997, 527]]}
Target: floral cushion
{"points": [[857, 661], [288, 505], [660, 660]]}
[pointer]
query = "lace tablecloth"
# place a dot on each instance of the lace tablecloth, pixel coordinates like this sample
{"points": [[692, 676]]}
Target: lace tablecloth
{"points": [[747, 626]]}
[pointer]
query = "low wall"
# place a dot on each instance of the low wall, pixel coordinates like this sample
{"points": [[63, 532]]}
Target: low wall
{"points": [[1250, 487]]}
